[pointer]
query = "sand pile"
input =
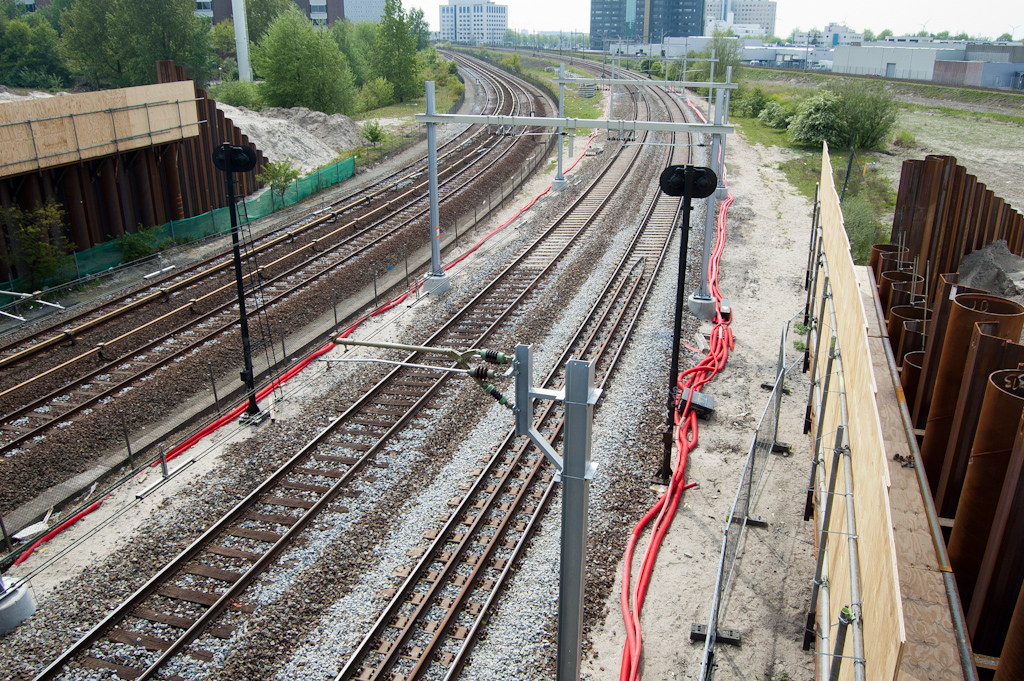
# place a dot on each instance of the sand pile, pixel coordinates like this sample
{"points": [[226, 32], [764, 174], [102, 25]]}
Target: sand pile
{"points": [[996, 270], [309, 138]]}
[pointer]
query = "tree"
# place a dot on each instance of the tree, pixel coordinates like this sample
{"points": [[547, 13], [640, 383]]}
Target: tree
{"points": [[869, 35], [278, 175], [38, 242], [260, 14], [727, 53], [53, 11], [377, 93], [373, 132], [223, 39], [118, 42], [29, 56], [395, 51], [941, 35], [302, 66], [886, 33], [419, 29], [88, 44], [1006, 36], [355, 42], [961, 36]]}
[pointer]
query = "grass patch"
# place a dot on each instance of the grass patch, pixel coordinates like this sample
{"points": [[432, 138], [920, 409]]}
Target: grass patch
{"points": [[443, 100], [804, 172], [960, 113], [756, 132]]}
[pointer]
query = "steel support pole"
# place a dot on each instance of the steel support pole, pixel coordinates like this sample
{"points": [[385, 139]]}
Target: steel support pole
{"points": [[437, 279], [576, 476], [241, 40], [711, 79], [559, 181]]}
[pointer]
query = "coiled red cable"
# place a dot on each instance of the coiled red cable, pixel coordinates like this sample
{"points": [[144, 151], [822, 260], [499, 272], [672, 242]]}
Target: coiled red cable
{"points": [[721, 343]]}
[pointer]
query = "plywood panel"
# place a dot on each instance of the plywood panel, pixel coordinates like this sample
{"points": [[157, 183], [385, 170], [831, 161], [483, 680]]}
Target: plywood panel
{"points": [[884, 633], [52, 131]]}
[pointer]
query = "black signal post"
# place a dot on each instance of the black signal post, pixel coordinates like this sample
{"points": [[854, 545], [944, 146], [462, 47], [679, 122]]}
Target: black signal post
{"points": [[690, 182], [239, 159]]}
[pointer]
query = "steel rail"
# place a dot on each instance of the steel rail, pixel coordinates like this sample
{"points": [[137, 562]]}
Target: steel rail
{"points": [[201, 623], [163, 288]]}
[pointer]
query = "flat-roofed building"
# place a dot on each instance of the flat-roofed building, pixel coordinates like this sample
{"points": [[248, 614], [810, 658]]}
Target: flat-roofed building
{"points": [[474, 22]]}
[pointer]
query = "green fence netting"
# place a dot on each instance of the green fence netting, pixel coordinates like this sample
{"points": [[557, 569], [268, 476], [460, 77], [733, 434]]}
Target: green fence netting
{"points": [[107, 255]]}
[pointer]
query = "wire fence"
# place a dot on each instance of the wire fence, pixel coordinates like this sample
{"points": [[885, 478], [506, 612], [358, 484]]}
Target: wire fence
{"points": [[762, 445]]}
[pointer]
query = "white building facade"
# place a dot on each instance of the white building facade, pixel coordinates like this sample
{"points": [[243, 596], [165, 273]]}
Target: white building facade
{"points": [[474, 22], [742, 12], [364, 10]]}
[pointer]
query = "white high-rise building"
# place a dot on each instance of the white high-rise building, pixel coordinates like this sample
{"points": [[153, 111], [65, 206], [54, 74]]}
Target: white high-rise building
{"points": [[760, 12], [474, 22], [364, 10]]}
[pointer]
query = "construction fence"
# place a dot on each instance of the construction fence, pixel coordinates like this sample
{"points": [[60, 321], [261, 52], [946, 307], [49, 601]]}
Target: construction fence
{"points": [[856, 618], [764, 442]]}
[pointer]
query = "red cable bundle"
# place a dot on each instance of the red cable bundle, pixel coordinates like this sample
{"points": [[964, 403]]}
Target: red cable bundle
{"points": [[686, 439]]}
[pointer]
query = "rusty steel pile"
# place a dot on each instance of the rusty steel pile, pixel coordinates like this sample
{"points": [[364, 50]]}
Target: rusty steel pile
{"points": [[960, 352]]}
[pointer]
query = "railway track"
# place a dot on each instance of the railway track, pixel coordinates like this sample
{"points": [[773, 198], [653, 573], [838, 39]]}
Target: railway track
{"points": [[72, 372], [201, 594]]}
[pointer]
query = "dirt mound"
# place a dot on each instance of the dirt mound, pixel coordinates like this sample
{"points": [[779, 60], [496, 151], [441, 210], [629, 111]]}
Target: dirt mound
{"points": [[309, 138], [996, 270]]}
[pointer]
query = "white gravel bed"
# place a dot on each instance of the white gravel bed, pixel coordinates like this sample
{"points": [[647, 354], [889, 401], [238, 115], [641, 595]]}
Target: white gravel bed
{"points": [[343, 627]]}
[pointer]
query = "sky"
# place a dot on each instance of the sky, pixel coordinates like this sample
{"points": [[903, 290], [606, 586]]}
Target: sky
{"points": [[989, 18]]}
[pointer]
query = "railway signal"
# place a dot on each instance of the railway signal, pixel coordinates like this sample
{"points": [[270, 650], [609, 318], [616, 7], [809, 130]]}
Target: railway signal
{"points": [[233, 159], [689, 182]]}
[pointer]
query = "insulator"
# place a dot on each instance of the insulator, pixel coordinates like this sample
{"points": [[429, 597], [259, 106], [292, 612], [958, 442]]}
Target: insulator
{"points": [[495, 357], [481, 373]]}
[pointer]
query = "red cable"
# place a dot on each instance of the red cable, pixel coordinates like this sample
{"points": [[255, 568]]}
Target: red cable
{"points": [[686, 434], [54, 532]]}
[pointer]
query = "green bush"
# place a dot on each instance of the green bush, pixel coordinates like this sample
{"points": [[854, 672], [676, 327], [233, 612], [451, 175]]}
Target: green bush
{"points": [[238, 93], [862, 227], [819, 119], [868, 112], [141, 244], [775, 115], [751, 102]]}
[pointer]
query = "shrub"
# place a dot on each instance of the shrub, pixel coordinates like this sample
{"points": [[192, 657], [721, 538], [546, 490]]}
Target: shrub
{"points": [[775, 115], [820, 119], [751, 102], [862, 227], [278, 175], [868, 112], [373, 132], [142, 244], [377, 93], [238, 93]]}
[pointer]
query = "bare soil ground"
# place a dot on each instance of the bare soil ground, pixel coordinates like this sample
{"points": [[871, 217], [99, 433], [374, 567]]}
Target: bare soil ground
{"points": [[762, 274], [988, 148]]}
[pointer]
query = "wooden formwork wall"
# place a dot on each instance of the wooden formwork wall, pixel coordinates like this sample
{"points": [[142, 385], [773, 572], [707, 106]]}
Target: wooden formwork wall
{"points": [[882, 608]]}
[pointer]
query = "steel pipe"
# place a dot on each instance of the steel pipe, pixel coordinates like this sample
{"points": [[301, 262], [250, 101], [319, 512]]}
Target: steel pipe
{"points": [[988, 353], [876, 253], [997, 429], [1001, 573], [1011, 661], [913, 337], [967, 310], [895, 326], [940, 306], [911, 374], [888, 279]]}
